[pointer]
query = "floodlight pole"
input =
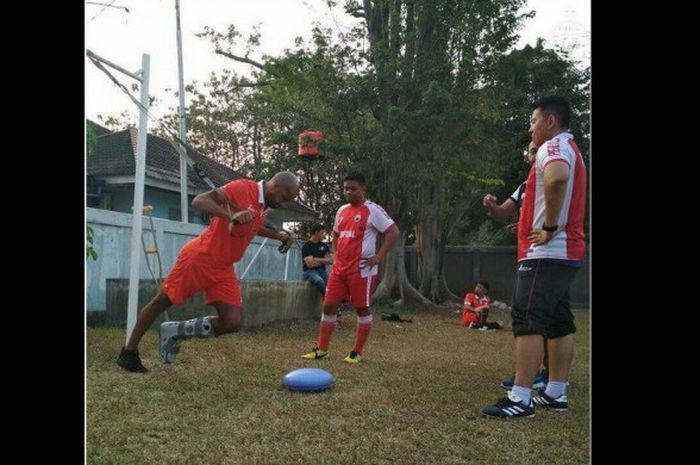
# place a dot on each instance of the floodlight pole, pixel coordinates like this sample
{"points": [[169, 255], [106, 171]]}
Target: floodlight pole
{"points": [[184, 200], [134, 262], [142, 76]]}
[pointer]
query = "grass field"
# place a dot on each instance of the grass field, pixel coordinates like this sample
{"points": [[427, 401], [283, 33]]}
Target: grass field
{"points": [[414, 399]]}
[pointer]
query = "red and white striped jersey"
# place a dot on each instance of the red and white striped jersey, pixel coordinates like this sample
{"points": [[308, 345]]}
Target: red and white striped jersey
{"points": [[568, 243], [475, 301], [356, 228]]}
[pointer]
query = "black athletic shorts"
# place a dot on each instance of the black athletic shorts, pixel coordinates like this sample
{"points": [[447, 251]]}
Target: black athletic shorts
{"points": [[541, 302]]}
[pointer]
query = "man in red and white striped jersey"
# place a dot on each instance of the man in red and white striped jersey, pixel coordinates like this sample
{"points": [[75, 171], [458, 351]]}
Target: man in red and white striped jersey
{"points": [[551, 249], [355, 269]]}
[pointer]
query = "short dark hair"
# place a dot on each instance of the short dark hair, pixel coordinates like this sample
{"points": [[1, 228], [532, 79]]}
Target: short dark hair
{"points": [[355, 176], [484, 283], [557, 106], [316, 228]]}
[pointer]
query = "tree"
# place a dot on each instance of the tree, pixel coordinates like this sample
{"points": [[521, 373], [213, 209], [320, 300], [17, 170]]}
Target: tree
{"points": [[434, 112], [431, 61], [519, 79], [253, 124], [91, 140]]}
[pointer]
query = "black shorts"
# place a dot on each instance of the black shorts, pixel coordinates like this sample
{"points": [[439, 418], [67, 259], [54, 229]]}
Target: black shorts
{"points": [[541, 302]]}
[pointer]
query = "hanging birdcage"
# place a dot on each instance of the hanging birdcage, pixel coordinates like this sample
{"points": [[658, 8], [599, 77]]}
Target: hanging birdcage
{"points": [[309, 141]]}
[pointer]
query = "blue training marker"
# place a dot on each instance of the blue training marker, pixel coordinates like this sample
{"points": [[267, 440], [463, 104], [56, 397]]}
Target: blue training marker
{"points": [[308, 379]]}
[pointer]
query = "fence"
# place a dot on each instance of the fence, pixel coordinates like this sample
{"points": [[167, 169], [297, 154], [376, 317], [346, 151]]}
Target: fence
{"points": [[464, 265], [112, 241]]}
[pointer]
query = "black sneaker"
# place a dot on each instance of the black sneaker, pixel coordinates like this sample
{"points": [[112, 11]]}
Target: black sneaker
{"points": [[559, 404], [315, 354], [509, 407], [353, 357], [493, 325], [130, 361]]}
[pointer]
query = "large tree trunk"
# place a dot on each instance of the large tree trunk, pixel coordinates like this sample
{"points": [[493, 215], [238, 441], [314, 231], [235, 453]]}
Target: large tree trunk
{"points": [[395, 282], [428, 245], [431, 237], [383, 26], [446, 293]]}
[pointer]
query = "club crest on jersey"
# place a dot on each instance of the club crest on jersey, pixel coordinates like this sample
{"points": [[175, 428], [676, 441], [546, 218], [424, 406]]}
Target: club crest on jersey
{"points": [[357, 218]]}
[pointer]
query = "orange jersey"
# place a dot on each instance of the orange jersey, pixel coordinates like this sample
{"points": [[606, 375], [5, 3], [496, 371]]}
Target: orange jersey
{"points": [[216, 243]]}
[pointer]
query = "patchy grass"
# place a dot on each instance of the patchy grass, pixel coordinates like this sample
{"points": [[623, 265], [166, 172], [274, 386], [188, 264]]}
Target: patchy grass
{"points": [[415, 398]]}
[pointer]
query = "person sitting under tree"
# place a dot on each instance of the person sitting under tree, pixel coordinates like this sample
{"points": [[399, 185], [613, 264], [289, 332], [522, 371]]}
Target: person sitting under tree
{"points": [[475, 311]]}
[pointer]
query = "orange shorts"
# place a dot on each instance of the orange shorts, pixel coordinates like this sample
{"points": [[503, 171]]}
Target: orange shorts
{"points": [[359, 289], [193, 272], [469, 317]]}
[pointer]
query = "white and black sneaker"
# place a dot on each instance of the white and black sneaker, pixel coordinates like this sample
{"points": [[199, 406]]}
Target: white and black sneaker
{"points": [[168, 343], [559, 404], [509, 407]]}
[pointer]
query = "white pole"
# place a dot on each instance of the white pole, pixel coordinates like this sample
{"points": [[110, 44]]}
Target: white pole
{"points": [[184, 203], [137, 214], [286, 263], [245, 272]]}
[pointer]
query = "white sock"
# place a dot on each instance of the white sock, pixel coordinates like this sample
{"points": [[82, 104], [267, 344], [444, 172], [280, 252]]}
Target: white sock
{"points": [[555, 389], [329, 318], [522, 392]]}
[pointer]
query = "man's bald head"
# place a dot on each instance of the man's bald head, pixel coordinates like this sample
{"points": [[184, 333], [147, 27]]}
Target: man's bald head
{"points": [[282, 188]]}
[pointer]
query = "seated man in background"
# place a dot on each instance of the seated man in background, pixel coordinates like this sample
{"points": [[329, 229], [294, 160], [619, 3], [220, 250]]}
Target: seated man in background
{"points": [[476, 308], [316, 255]]}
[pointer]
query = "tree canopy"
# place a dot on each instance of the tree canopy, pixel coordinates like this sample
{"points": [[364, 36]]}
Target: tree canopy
{"points": [[429, 99]]}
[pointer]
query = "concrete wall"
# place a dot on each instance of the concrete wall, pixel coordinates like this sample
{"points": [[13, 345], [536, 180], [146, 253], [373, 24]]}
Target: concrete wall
{"points": [[263, 302], [112, 241]]}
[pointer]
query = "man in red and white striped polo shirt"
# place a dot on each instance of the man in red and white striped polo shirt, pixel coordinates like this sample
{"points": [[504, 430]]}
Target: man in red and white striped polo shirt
{"points": [[551, 249], [354, 274]]}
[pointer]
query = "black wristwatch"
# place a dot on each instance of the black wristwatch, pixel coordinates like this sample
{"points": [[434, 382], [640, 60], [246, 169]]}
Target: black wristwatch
{"points": [[549, 228]]}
